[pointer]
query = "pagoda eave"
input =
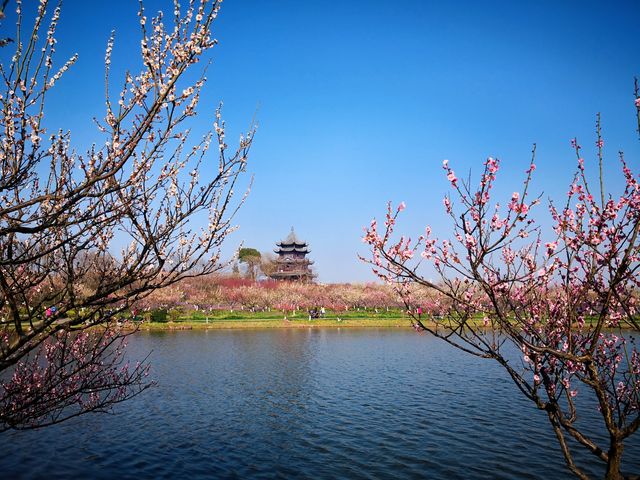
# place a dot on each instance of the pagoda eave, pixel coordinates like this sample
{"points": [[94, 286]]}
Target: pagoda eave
{"points": [[285, 252]]}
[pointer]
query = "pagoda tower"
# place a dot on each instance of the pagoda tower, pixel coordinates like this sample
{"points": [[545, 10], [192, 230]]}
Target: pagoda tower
{"points": [[291, 263]]}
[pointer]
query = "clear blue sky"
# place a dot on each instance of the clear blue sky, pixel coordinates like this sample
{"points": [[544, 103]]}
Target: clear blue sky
{"points": [[360, 101]]}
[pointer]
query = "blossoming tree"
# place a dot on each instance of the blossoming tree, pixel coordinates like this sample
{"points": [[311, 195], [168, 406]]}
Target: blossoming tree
{"points": [[63, 282], [565, 298]]}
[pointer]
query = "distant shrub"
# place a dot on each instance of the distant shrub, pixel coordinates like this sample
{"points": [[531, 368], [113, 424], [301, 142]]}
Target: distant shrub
{"points": [[174, 314], [159, 316]]}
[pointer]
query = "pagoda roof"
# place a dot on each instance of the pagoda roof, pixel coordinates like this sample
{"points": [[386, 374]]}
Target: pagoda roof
{"points": [[292, 242]]}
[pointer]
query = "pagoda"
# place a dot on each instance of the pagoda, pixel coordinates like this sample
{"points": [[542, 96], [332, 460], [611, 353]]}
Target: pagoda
{"points": [[291, 263]]}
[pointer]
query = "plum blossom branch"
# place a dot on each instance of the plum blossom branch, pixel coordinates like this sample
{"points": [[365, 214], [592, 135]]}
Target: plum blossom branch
{"points": [[569, 303], [141, 184]]}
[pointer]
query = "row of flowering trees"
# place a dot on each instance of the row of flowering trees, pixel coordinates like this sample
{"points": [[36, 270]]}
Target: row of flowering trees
{"points": [[233, 294], [64, 214], [566, 298]]}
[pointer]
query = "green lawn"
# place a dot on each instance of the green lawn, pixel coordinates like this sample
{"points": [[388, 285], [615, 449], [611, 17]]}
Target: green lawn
{"points": [[276, 319]]}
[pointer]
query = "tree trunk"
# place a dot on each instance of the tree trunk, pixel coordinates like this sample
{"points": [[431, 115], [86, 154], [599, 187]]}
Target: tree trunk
{"points": [[616, 448]]}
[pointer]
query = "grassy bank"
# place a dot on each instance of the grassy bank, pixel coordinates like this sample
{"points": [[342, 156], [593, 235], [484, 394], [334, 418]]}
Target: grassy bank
{"points": [[270, 323], [226, 319], [276, 319]]}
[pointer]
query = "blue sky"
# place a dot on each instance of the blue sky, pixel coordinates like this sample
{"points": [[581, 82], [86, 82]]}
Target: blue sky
{"points": [[359, 102]]}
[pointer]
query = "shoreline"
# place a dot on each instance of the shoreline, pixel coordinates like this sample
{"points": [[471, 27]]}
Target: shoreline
{"points": [[273, 323]]}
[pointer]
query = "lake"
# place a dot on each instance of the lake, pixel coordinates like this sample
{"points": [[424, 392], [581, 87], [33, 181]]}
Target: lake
{"points": [[305, 403]]}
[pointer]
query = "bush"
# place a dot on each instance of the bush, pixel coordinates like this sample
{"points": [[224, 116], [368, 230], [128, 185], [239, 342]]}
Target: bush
{"points": [[159, 316]]}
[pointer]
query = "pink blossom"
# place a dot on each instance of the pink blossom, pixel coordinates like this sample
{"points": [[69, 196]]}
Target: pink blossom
{"points": [[447, 204], [406, 254], [551, 247], [496, 223], [470, 242], [492, 165], [514, 204], [452, 177], [402, 206]]}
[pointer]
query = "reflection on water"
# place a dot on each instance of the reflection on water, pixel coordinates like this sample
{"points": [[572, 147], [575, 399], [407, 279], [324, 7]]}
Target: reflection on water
{"points": [[304, 403]]}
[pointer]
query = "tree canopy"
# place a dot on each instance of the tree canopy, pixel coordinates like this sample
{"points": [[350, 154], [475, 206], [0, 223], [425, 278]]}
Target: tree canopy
{"points": [[245, 254]]}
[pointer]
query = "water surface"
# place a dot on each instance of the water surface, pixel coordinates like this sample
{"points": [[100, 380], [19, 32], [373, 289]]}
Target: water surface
{"points": [[305, 403]]}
